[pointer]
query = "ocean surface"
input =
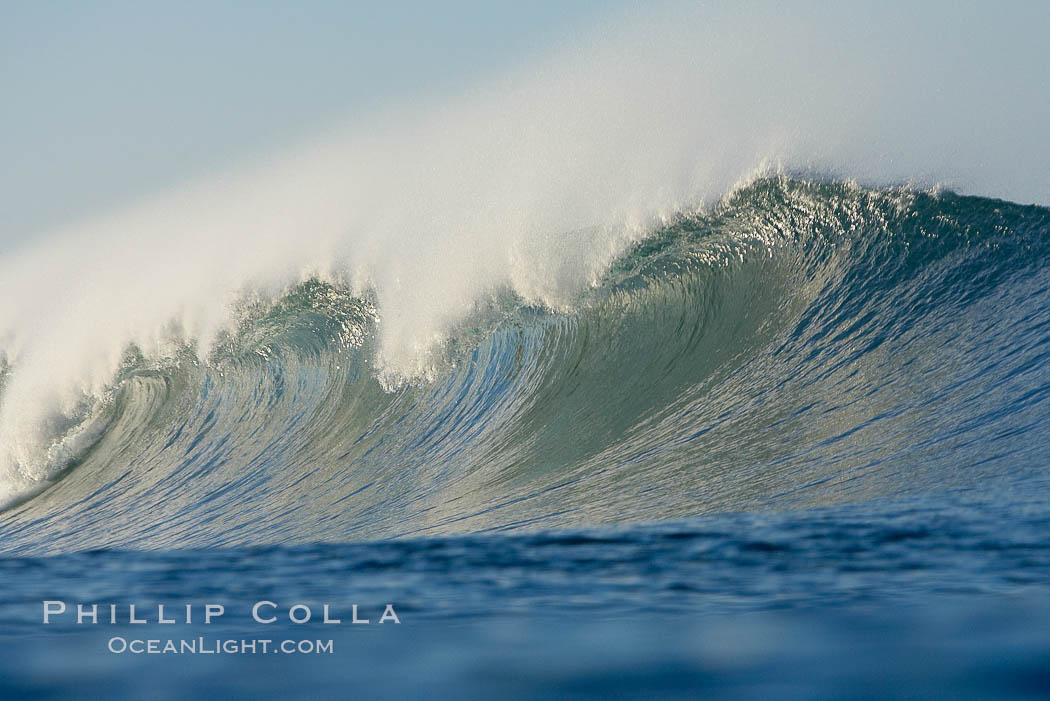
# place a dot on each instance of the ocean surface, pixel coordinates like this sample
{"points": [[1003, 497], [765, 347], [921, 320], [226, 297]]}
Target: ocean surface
{"points": [[794, 446]]}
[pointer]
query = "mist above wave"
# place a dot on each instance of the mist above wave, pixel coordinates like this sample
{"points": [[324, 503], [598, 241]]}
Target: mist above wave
{"points": [[533, 183]]}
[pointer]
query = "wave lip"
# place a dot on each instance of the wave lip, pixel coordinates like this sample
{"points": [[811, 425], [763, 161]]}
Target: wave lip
{"points": [[527, 191], [803, 343]]}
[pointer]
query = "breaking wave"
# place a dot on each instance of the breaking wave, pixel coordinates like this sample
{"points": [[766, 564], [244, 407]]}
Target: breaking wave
{"points": [[804, 342]]}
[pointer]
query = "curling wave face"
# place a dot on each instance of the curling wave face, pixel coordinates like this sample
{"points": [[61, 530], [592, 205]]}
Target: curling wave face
{"points": [[802, 343]]}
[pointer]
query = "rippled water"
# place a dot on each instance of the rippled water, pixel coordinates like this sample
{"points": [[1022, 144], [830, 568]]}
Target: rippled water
{"points": [[795, 446]]}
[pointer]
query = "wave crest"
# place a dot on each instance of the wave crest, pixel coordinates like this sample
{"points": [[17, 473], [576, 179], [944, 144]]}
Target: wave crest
{"points": [[804, 342]]}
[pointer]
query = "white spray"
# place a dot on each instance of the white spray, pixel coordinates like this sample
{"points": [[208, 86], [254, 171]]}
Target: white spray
{"points": [[535, 182]]}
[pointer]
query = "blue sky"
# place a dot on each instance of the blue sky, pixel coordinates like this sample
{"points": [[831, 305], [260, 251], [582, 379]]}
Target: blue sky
{"points": [[106, 101]]}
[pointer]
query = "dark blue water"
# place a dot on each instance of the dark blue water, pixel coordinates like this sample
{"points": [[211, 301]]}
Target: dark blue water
{"points": [[944, 596], [796, 447]]}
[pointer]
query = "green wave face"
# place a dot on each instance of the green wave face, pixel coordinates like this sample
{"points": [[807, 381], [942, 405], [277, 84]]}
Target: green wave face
{"points": [[804, 343]]}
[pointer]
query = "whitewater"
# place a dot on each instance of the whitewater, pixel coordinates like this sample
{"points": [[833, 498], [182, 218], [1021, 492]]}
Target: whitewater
{"points": [[421, 229], [704, 354]]}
